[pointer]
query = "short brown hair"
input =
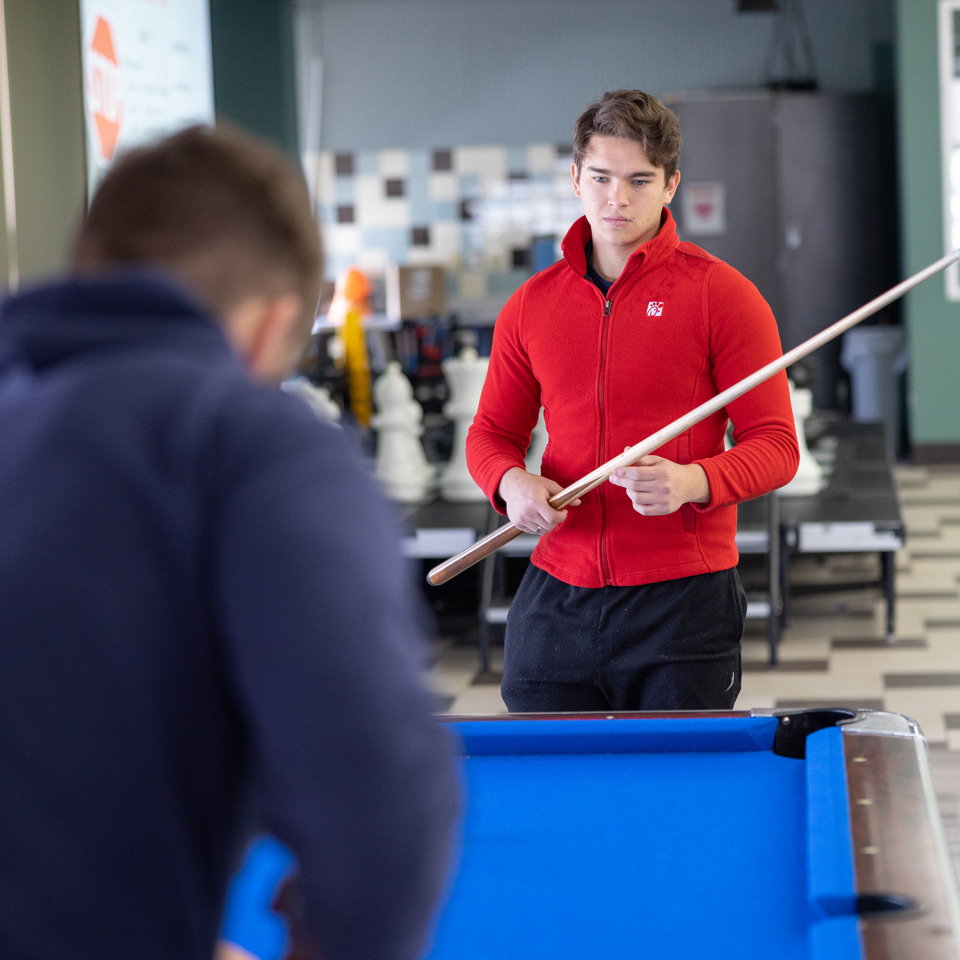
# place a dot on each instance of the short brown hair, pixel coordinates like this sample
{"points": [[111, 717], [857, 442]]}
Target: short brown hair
{"points": [[633, 115], [226, 213]]}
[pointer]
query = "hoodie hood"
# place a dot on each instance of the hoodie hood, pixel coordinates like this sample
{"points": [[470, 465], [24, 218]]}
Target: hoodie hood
{"points": [[53, 325]]}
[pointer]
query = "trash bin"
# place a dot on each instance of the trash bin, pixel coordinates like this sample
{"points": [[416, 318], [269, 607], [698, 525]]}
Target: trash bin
{"points": [[876, 358]]}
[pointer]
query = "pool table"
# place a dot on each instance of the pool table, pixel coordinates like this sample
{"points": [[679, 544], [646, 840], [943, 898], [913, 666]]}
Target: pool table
{"points": [[807, 834]]}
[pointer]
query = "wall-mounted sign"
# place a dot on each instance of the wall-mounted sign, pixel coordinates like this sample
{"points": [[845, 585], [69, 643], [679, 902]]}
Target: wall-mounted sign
{"points": [[147, 70], [704, 209]]}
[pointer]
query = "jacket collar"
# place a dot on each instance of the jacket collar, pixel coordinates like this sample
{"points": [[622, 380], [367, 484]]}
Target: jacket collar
{"points": [[579, 235]]}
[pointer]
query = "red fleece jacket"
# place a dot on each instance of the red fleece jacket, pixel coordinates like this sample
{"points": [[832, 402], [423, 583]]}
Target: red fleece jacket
{"points": [[677, 327]]}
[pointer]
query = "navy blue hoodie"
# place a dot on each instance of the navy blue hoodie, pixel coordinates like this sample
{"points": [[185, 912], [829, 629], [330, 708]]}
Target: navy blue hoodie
{"points": [[201, 600]]}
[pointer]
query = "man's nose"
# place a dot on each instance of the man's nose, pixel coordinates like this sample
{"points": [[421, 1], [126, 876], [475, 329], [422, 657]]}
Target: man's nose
{"points": [[618, 194]]}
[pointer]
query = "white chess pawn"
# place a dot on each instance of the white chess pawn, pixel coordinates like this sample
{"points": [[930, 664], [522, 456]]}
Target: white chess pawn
{"points": [[538, 443], [809, 476], [464, 376], [401, 466]]}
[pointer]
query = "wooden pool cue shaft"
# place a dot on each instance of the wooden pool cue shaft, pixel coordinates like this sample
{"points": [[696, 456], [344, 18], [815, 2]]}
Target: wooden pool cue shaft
{"points": [[509, 531]]}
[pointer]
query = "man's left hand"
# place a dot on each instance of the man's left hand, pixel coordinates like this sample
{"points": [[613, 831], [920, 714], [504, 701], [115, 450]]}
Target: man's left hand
{"points": [[657, 486]]}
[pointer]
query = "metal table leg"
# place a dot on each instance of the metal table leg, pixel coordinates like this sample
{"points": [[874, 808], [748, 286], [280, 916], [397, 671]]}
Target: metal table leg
{"points": [[888, 566], [774, 590]]}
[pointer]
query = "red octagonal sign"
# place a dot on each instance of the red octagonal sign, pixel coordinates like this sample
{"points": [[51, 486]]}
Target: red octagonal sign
{"points": [[103, 89]]}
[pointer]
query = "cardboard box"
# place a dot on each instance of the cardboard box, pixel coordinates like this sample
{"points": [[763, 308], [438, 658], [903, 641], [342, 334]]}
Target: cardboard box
{"points": [[415, 293]]}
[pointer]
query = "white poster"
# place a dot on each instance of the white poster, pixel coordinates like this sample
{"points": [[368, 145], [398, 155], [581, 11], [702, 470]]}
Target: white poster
{"points": [[949, 45], [147, 70]]}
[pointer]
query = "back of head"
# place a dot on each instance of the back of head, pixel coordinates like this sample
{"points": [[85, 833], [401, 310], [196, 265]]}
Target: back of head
{"points": [[223, 212], [632, 115]]}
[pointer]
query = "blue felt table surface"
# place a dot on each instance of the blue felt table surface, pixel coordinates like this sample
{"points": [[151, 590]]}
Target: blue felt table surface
{"points": [[641, 838], [626, 856], [644, 838]]}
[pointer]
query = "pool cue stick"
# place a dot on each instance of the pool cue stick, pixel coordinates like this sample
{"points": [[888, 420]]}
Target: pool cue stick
{"points": [[509, 531]]}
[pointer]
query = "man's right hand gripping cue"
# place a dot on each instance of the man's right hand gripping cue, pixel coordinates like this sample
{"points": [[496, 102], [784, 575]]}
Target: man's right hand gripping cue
{"points": [[526, 496]]}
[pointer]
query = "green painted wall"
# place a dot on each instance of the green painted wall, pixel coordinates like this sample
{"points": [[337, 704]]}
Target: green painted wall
{"points": [[254, 73], [933, 322]]}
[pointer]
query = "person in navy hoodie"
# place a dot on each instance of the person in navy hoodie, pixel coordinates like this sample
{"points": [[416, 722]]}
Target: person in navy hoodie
{"points": [[205, 623]]}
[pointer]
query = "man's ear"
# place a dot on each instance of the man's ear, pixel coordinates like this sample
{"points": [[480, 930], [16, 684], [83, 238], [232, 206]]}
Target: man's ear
{"points": [[671, 186], [267, 333]]}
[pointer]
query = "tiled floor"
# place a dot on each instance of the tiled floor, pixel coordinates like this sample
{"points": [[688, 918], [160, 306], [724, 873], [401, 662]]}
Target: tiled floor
{"points": [[833, 650]]}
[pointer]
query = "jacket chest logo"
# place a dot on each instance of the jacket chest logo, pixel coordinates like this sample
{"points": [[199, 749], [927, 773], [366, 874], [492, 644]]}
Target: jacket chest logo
{"points": [[655, 308]]}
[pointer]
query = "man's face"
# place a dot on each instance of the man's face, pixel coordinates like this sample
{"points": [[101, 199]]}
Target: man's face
{"points": [[622, 193]]}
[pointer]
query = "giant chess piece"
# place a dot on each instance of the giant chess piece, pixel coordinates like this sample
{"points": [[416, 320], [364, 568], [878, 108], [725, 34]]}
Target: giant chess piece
{"points": [[402, 467], [538, 443], [316, 397], [464, 375], [809, 475], [349, 307]]}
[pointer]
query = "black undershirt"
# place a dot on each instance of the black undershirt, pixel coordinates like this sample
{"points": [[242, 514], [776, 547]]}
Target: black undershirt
{"points": [[592, 274]]}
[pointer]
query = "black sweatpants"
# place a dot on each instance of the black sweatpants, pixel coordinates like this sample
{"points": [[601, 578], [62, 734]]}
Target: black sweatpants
{"points": [[673, 645]]}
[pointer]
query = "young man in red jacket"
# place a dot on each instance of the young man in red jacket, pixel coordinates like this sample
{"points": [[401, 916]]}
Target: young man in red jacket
{"points": [[632, 600]]}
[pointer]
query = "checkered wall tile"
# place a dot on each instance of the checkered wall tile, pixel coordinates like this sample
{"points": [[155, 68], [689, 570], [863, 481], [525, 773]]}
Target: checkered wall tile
{"points": [[475, 210]]}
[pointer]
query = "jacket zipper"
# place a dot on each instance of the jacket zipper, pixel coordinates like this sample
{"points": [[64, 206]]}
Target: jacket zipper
{"points": [[604, 567]]}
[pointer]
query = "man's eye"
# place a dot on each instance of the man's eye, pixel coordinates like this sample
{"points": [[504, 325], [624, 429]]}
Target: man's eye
{"points": [[600, 179]]}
